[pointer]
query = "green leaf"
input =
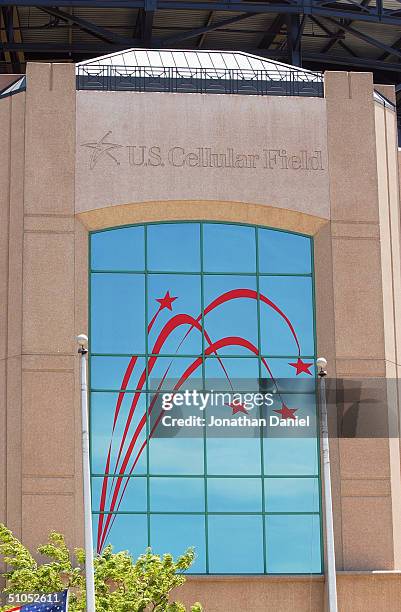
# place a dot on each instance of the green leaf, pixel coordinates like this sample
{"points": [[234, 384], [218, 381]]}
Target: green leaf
{"points": [[122, 584]]}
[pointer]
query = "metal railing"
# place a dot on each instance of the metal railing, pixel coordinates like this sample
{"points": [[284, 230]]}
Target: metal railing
{"points": [[199, 80]]}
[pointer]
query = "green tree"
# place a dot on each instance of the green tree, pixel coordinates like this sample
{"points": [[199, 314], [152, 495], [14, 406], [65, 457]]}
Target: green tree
{"points": [[121, 584]]}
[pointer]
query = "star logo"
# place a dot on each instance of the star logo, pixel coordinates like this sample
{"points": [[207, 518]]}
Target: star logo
{"points": [[237, 408], [302, 367], [286, 413], [166, 301], [102, 148]]}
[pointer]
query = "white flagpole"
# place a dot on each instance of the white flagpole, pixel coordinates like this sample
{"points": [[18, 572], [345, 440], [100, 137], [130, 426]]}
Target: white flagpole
{"points": [[82, 340], [328, 504]]}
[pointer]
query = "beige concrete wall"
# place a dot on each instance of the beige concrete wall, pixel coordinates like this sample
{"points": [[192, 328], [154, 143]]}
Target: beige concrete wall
{"points": [[357, 592], [41, 432], [390, 241], [399, 169], [11, 236], [111, 124], [365, 474]]}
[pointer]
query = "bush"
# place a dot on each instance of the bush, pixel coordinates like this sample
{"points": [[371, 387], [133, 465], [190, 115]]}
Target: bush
{"points": [[121, 584]]}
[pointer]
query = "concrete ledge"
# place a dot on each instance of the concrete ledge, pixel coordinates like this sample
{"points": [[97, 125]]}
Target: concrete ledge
{"points": [[358, 591]]}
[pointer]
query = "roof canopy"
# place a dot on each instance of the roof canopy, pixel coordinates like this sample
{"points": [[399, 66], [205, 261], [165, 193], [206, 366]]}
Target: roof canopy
{"points": [[215, 62]]}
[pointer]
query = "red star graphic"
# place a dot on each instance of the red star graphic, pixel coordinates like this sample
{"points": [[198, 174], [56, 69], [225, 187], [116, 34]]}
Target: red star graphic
{"points": [[301, 367], [286, 413], [237, 408], [166, 301]]}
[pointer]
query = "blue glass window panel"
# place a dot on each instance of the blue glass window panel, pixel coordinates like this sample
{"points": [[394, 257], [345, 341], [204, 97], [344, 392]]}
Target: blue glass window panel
{"points": [[129, 532], [177, 495], [179, 456], [226, 403], [233, 456], [172, 369], [118, 313], [243, 374], [176, 533], [281, 368], [293, 544], [109, 372], [305, 406], [229, 248], [291, 456], [235, 544], [135, 496], [120, 249], [234, 495], [102, 417], [237, 317], [285, 378], [293, 295], [174, 247], [292, 494], [284, 253], [187, 290]]}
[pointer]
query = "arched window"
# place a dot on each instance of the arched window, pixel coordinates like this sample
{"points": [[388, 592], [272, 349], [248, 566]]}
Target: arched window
{"points": [[217, 306]]}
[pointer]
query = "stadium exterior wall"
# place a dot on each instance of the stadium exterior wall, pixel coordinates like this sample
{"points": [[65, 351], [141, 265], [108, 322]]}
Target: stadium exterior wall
{"points": [[343, 190]]}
